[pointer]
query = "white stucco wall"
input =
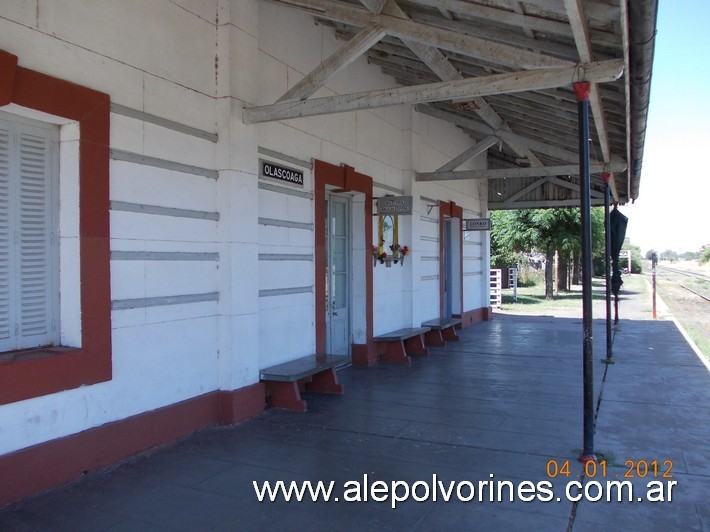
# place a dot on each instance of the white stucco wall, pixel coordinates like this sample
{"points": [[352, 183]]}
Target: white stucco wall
{"points": [[195, 65]]}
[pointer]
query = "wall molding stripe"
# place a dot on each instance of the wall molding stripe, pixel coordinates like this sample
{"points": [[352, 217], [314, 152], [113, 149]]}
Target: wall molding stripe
{"points": [[286, 223], [164, 255], [125, 206], [163, 122], [147, 160], [286, 256], [284, 190], [162, 301], [272, 292], [376, 184]]}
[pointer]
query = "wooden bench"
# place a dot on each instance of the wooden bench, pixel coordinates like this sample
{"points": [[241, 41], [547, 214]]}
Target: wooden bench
{"points": [[312, 373], [398, 345], [442, 329]]}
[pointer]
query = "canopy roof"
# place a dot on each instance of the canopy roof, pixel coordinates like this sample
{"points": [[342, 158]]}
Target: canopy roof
{"points": [[502, 70]]}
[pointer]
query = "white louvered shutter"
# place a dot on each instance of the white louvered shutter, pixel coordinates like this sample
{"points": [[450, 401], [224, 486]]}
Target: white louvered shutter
{"points": [[31, 258], [6, 321]]}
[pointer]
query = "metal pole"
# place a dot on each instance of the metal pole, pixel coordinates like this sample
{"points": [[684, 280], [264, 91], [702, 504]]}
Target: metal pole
{"points": [[654, 292], [607, 261], [582, 91], [654, 262]]}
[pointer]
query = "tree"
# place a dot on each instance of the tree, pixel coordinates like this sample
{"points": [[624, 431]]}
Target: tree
{"points": [[542, 229], [705, 257], [547, 230], [669, 255]]}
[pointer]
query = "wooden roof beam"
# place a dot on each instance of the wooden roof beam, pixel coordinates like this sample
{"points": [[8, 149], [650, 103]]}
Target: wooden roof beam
{"points": [[605, 71], [508, 173], [542, 204]]}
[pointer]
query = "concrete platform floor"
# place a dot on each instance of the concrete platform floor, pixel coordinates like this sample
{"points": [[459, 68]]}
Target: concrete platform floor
{"points": [[503, 401]]}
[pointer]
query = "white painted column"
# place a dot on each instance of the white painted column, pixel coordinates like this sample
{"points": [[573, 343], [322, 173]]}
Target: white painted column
{"points": [[237, 190]]}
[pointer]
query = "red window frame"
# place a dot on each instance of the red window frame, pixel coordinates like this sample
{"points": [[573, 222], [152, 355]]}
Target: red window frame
{"points": [[45, 371]]}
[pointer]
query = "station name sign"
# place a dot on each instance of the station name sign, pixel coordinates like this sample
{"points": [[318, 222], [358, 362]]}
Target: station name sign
{"points": [[394, 205], [282, 173], [477, 224]]}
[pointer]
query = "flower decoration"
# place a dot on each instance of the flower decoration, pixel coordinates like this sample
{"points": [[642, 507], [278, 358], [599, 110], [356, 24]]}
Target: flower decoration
{"points": [[398, 253], [377, 255]]}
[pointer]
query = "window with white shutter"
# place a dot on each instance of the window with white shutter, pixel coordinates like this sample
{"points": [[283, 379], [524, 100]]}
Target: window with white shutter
{"points": [[28, 253]]}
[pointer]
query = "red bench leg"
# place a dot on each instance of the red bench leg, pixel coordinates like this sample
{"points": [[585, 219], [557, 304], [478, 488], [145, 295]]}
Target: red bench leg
{"points": [[395, 352], [415, 346], [435, 338], [450, 334], [285, 395], [325, 382]]}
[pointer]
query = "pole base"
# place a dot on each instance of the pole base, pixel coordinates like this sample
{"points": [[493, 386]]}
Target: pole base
{"points": [[584, 458], [607, 361]]}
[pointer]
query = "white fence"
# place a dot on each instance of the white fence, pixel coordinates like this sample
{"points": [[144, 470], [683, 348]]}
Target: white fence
{"points": [[496, 288]]}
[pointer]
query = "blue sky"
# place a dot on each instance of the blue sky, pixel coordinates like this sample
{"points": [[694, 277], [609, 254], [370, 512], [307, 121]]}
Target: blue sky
{"points": [[673, 209]]}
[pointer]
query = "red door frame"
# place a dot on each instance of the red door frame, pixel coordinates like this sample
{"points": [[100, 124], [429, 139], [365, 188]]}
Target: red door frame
{"points": [[451, 210], [344, 179]]}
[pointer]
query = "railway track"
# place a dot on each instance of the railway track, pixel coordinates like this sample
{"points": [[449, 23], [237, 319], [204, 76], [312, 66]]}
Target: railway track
{"points": [[672, 274], [689, 304]]}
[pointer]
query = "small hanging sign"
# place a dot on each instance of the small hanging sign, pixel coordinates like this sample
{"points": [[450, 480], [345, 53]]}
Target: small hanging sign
{"points": [[394, 205], [477, 224], [291, 175]]}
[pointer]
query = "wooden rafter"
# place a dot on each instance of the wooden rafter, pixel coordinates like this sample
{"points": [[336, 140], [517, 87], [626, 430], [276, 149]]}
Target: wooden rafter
{"points": [[470, 153], [540, 204], [534, 144], [348, 53], [497, 53], [441, 66], [508, 173], [374, 6], [446, 90]]}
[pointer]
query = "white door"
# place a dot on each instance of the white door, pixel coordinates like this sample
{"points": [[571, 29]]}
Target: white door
{"points": [[337, 283]]}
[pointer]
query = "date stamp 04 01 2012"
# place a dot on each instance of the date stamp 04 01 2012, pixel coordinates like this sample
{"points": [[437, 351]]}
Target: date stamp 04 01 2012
{"points": [[633, 469]]}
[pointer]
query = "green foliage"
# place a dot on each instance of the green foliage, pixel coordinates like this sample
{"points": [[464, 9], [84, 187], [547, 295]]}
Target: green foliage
{"points": [[544, 230], [668, 254], [540, 229], [705, 257], [690, 255], [635, 258], [529, 276]]}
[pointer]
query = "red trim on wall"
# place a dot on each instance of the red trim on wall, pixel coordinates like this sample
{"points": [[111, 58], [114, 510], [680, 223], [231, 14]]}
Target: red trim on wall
{"points": [[472, 317], [345, 179], [51, 464], [25, 377], [241, 404], [8, 67]]}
